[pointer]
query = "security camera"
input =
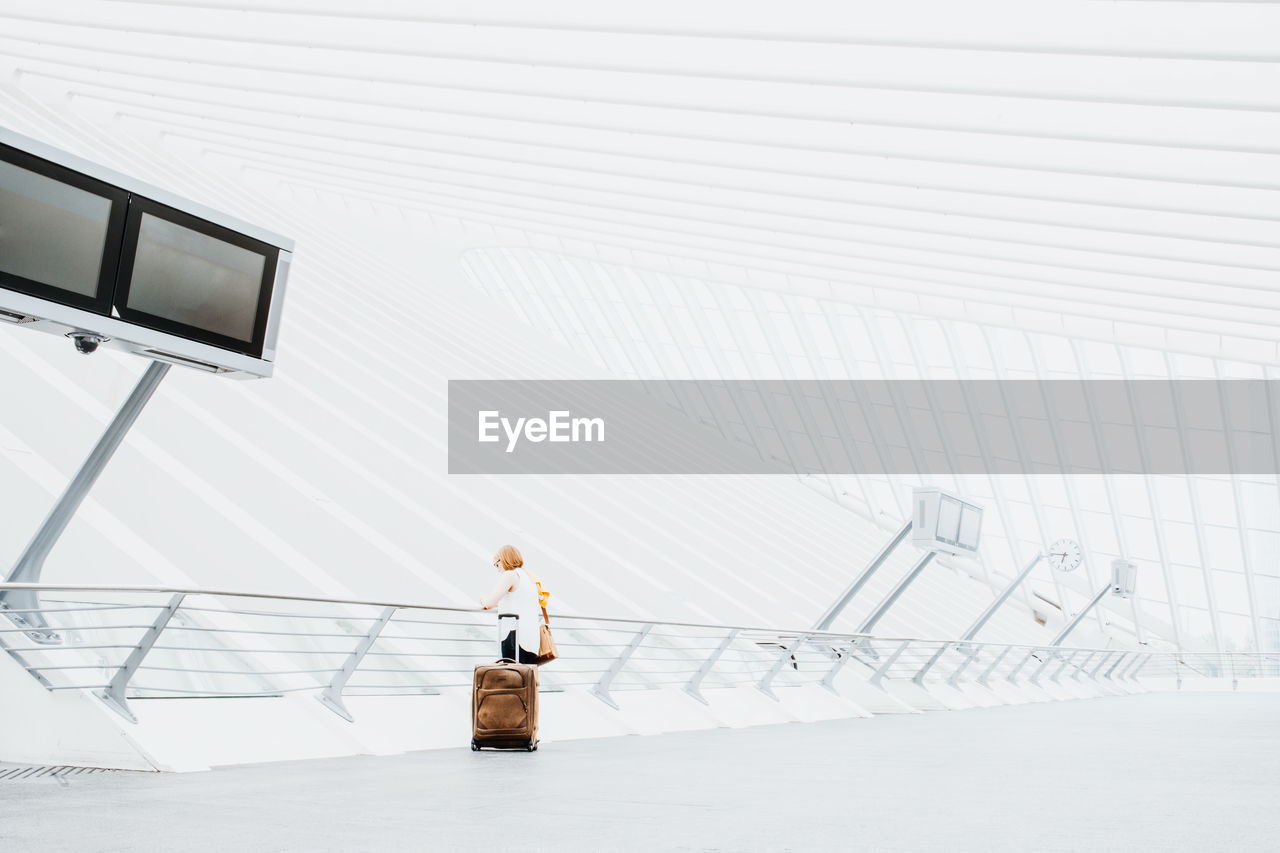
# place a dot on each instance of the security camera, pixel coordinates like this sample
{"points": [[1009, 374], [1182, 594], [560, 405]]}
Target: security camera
{"points": [[87, 343]]}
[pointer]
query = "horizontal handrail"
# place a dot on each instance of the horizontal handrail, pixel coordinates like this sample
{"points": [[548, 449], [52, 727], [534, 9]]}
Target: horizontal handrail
{"points": [[711, 626], [220, 646], [399, 605]]}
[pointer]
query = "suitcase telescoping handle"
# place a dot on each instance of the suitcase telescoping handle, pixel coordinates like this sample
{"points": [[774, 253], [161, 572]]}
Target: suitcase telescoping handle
{"points": [[502, 635]]}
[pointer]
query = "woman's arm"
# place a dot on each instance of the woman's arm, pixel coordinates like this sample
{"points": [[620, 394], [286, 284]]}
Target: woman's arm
{"points": [[506, 583]]}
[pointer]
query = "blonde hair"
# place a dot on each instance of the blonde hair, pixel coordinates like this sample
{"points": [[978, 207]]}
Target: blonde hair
{"points": [[508, 557]]}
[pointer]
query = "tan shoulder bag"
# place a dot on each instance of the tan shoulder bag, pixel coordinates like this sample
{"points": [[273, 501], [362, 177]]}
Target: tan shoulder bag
{"points": [[546, 643]]}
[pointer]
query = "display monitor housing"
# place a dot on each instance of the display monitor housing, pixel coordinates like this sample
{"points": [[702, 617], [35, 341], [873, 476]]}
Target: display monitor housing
{"points": [[1124, 577], [86, 251], [945, 522]]}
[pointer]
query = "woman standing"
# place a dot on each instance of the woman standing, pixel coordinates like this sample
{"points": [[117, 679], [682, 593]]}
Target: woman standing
{"points": [[517, 593]]}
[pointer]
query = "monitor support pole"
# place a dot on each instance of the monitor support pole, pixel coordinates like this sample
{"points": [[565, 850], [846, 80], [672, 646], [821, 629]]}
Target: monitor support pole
{"points": [[1004, 596], [1062, 635], [896, 593], [23, 605], [845, 597], [1079, 617]]}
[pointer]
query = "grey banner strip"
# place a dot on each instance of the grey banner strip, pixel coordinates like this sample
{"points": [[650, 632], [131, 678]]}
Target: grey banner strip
{"points": [[898, 427]]}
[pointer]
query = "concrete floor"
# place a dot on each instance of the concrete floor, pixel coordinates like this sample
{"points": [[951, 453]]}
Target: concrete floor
{"points": [[1194, 772]]}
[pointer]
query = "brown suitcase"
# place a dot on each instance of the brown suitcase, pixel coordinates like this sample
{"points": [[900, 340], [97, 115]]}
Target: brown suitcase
{"points": [[504, 703]]}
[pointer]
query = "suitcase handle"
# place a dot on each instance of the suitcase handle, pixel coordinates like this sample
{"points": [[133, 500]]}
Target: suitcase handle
{"points": [[501, 637]]}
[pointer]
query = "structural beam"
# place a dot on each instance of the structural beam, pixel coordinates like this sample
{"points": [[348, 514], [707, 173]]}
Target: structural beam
{"points": [[860, 581], [31, 562], [891, 599], [1079, 617], [981, 620]]}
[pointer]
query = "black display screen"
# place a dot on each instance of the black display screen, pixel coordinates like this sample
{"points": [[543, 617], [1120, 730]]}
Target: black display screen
{"points": [[189, 277], [60, 232]]}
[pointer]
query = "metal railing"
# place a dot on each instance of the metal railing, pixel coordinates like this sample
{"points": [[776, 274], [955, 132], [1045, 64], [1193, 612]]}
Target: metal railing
{"points": [[128, 643], [1224, 665]]}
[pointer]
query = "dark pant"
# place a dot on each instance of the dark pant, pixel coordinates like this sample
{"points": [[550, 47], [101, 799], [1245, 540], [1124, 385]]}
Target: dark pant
{"points": [[509, 650]]}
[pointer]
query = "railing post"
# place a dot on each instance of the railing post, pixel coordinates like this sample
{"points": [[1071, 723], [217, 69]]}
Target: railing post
{"points": [[1067, 661], [1133, 676], [1123, 674], [113, 694], [1129, 660], [970, 655], [918, 678], [601, 690], [842, 658], [692, 688], [985, 678], [1079, 668], [1049, 657], [1017, 669], [889, 661], [1094, 674], [765, 683], [1119, 661], [331, 698]]}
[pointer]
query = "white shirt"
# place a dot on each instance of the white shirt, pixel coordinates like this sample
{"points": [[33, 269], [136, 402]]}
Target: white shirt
{"points": [[523, 601]]}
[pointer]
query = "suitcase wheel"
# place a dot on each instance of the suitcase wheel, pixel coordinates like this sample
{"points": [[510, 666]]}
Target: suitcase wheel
{"points": [[475, 747], [533, 747]]}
